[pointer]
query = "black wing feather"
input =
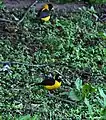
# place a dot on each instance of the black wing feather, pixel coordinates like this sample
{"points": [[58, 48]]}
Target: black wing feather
{"points": [[43, 14], [48, 82]]}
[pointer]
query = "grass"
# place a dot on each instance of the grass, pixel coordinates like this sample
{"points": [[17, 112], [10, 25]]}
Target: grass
{"points": [[75, 46]]}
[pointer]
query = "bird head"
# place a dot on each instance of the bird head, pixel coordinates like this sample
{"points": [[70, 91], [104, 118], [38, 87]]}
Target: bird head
{"points": [[50, 6]]}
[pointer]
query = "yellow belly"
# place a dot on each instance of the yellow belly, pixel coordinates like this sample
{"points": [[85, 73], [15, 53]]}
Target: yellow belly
{"points": [[53, 87], [46, 19]]}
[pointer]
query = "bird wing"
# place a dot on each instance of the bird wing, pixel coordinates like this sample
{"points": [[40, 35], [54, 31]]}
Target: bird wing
{"points": [[48, 82], [43, 14]]}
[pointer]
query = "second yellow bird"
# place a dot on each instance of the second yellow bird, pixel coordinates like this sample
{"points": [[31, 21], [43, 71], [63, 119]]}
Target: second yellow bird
{"points": [[44, 12]]}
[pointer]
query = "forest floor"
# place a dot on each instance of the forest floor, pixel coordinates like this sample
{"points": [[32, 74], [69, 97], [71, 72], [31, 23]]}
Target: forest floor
{"points": [[74, 45]]}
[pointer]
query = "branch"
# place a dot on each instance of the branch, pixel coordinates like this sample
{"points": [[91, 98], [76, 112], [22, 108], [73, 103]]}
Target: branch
{"points": [[20, 63], [37, 65], [58, 72], [27, 12], [42, 65], [5, 20]]}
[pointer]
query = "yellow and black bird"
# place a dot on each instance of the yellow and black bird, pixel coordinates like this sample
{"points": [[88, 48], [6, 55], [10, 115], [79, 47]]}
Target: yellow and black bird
{"points": [[44, 13], [50, 82]]}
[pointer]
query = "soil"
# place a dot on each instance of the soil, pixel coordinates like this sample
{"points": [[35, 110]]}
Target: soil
{"points": [[25, 3], [61, 9], [18, 3], [69, 7]]}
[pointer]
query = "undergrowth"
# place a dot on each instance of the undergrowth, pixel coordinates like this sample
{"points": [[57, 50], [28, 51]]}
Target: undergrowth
{"points": [[74, 46]]}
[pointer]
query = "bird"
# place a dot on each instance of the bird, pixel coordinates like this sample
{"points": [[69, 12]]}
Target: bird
{"points": [[50, 82], [44, 12]]}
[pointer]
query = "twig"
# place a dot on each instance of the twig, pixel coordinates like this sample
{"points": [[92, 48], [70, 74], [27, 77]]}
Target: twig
{"points": [[19, 63], [5, 20], [42, 65], [15, 18], [61, 99], [27, 12], [37, 65], [58, 72]]}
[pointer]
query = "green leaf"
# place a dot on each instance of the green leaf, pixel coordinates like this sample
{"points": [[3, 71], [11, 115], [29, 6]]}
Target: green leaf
{"points": [[1, 4], [102, 92], [26, 117], [88, 105], [100, 101], [0, 117], [102, 35], [78, 84], [74, 95], [103, 113], [103, 95], [87, 89], [35, 118]]}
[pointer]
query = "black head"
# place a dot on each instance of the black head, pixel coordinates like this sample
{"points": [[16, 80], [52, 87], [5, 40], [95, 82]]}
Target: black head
{"points": [[50, 6], [58, 77]]}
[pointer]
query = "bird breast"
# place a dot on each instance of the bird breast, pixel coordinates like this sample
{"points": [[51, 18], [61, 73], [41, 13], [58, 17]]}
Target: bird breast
{"points": [[53, 87]]}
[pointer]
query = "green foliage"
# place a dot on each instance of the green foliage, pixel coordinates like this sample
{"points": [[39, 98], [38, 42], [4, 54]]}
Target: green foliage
{"points": [[2, 4], [87, 90], [102, 94], [88, 105], [103, 35], [81, 92], [86, 95], [75, 95], [78, 84], [27, 117], [73, 47]]}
